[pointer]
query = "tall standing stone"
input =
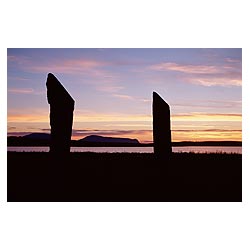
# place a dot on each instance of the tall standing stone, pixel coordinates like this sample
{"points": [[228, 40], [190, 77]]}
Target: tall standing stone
{"points": [[161, 127], [61, 115]]}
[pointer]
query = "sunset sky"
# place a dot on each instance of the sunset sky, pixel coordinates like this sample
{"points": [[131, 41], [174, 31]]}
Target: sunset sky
{"points": [[112, 89]]}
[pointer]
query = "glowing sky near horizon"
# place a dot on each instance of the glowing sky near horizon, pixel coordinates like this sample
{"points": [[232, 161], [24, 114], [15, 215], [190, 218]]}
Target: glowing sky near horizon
{"points": [[112, 89]]}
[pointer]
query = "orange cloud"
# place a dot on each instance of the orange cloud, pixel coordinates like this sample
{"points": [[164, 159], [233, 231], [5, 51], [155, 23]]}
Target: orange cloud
{"points": [[124, 97], [98, 117], [28, 118], [199, 135], [190, 69], [190, 126], [29, 115], [21, 90], [89, 116], [207, 117], [216, 81]]}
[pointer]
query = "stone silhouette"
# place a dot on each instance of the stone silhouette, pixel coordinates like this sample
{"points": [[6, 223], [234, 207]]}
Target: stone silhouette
{"points": [[161, 127], [61, 115]]}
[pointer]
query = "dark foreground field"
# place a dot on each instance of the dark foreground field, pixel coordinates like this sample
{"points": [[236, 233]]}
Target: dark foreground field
{"points": [[124, 177]]}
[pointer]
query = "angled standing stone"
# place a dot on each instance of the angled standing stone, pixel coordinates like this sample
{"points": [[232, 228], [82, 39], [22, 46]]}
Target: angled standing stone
{"points": [[161, 127], [61, 115]]}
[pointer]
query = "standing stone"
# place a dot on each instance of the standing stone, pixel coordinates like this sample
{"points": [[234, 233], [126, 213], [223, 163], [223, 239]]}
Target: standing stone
{"points": [[161, 127], [61, 115]]}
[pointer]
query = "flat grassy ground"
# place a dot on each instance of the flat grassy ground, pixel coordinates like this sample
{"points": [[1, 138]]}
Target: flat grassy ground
{"points": [[124, 177]]}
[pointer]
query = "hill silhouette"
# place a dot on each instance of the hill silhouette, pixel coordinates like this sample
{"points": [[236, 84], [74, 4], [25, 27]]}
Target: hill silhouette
{"points": [[43, 139], [38, 136], [98, 138]]}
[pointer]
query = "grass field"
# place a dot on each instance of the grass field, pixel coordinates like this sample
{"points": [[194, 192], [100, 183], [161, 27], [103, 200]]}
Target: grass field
{"points": [[124, 177]]}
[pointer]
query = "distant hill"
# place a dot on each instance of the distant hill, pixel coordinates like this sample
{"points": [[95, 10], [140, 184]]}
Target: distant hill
{"points": [[43, 139], [38, 136], [33, 139], [102, 139]]}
